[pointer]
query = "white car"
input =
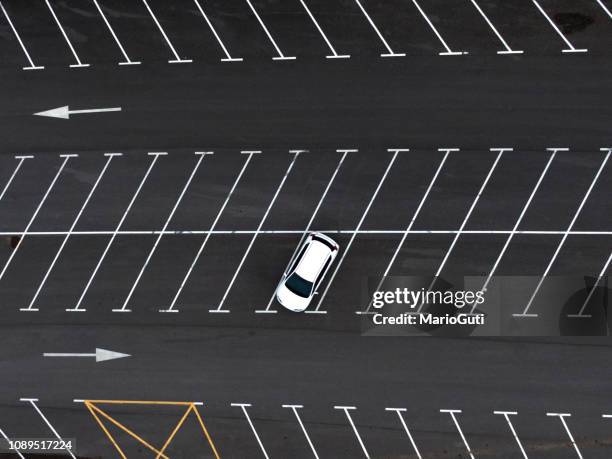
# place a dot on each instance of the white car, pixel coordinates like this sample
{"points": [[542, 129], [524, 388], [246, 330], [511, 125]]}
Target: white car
{"points": [[305, 273]]}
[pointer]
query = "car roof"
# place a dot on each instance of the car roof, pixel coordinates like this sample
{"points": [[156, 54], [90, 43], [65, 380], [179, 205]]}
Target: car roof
{"points": [[313, 260]]}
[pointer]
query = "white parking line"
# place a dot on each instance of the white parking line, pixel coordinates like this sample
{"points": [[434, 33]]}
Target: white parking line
{"points": [[59, 25], [309, 225], [33, 401], [448, 52], [452, 415], [605, 8], [127, 61], [508, 49], [334, 54], [8, 440], [396, 152], [210, 232], [67, 237], [35, 214], [77, 307], [411, 224], [560, 246], [177, 59], [296, 154], [161, 234], [518, 221], [14, 174], [506, 415], [562, 417], [228, 56], [581, 313], [399, 412], [390, 52], [465, 220], [571, 48], [244, 406], [281, 56], [347, 410], [295, 408], [32, 66]]}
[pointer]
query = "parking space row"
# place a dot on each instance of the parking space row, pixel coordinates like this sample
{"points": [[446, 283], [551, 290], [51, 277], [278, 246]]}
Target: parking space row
{"points": [[118, 428], [181, 231], [48, 33]]}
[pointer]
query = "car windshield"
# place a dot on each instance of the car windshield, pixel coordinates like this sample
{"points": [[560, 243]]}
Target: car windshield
{"points": [[299, 286]]}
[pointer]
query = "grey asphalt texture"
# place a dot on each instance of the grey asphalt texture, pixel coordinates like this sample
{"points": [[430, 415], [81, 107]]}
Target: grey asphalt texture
{"points": [[422, 102]]}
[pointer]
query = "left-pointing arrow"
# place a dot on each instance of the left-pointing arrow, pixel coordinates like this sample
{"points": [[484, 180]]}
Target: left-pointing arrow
{"points": [[65, 112], [101, 355]]}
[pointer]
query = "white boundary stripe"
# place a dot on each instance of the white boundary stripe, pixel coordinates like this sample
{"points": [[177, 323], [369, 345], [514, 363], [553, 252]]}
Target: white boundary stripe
{"points": [[506, 415], [590, 295], [295, 408], [571, 48], [401, 418], [309, 225], [562, 417], [8, 440], [13, 175], [177, 59], [24, 49], [390, 52], [51, 428], [59, 25], [448, 52], [334, 54], [77, 307], [361, 220], [346, 410], [244, 406], [35, 214], [564, 238], [452, 415], [508, 50], [281, 56], [161, 234], [257, 232], [128, 61], [208, 234], [411, 224], [67, 237], [518, 223], [466, 219], [605, 8], [229, 57]]}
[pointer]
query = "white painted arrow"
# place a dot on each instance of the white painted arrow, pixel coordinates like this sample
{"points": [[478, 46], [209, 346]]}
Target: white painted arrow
{"points": [[101, 355], [65, 112]]}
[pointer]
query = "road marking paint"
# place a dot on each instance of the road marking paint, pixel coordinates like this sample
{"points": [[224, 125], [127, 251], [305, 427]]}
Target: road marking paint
{"points": [[363, 217], [67, 237], [32, 66], [452, 415], [399, 412], [563, 239], [244, 406], [588, 298], [14, 174], [8, 440], [571, 48], [309, 224], [281, 56], [295, 408], [257, 232], [66, 158], [77, 307], [449, 51], [506, 415], [127, 61], [411, 224], [518, 222], [59, 25], [33, 401], [177, 59], [605, 8], [161, 234], [508, 49], [228, 57], [390, 52], [500, 152], [562, 417], [347, 410], [334, 54]]}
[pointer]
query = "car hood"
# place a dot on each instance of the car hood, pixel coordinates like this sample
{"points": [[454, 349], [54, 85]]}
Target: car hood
{"points": [[290, 300]]}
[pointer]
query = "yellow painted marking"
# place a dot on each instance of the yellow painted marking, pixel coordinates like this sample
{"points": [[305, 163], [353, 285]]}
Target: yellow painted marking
{"points": [[103, 427], [176, 429]]}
